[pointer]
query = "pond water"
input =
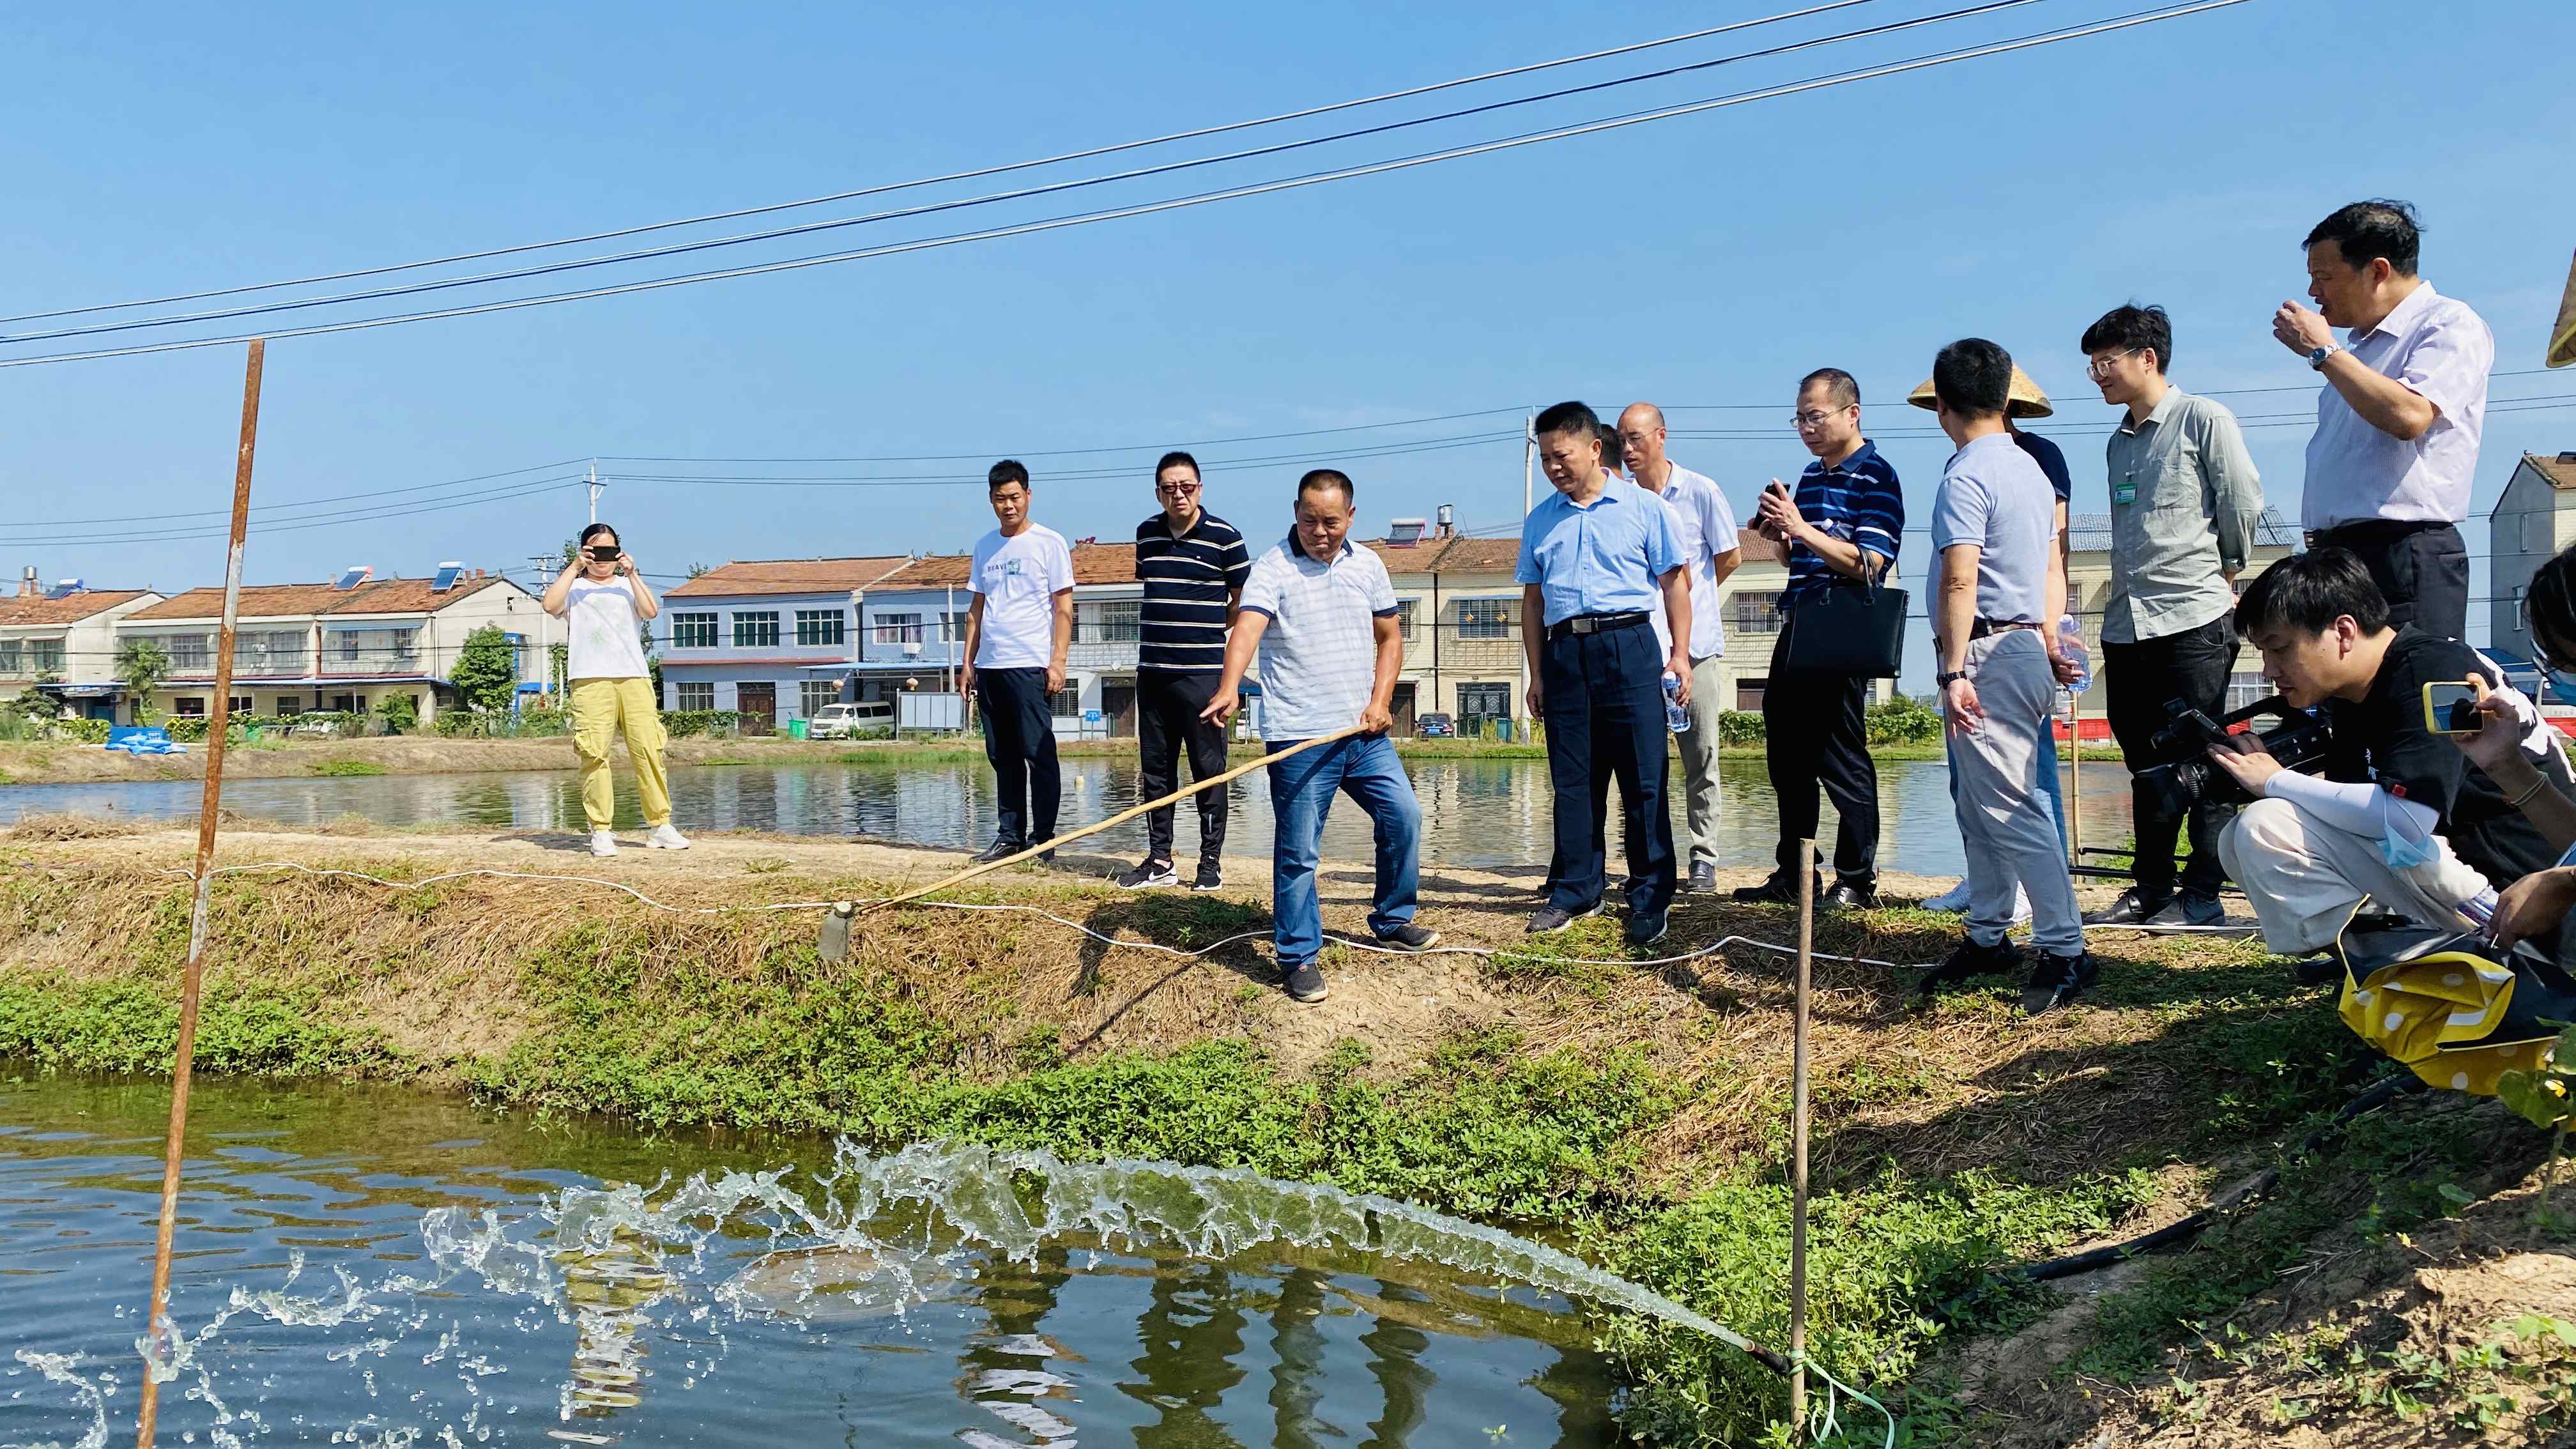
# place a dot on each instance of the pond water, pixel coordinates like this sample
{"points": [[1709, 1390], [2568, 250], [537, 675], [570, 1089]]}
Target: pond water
{"points": [[369, 1266], [1478, 814]]}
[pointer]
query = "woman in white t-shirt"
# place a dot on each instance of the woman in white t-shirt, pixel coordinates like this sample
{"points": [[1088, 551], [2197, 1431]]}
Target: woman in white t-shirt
{"points": [[606, 604]]}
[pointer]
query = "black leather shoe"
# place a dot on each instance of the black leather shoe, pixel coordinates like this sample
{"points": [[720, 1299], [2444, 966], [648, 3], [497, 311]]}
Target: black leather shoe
{"points": [[998, 850], [1703, 880], [2057, 980], [2000, 959], [2133, 908], [1849, 897], [1773, 892]]}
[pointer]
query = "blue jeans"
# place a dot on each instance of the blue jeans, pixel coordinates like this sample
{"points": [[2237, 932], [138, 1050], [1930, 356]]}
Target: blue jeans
{"points": [[1301, 795]]}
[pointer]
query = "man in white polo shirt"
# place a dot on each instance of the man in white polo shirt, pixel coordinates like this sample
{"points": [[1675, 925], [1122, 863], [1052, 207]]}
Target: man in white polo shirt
{"points": [[2398, 422], [1710, 553], [1322, 613], [1019, 622]]}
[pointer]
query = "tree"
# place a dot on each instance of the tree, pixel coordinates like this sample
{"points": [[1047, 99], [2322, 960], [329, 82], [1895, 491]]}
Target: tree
{"points": [[487, 669], [141, 666], [697, 570]]}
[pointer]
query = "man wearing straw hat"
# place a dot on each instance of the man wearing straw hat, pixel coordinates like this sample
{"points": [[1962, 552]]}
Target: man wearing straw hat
{"points": [[2400, 416], [2027, 401], [2184, 502], [1997, 580], [1322, 613]]}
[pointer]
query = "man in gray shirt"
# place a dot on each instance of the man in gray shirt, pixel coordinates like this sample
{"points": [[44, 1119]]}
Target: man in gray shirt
{"points": [[2184, 503], [1994, 533]]}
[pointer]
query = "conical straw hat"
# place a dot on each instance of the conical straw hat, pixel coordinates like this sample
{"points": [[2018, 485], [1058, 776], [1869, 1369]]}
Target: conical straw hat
{"points": [[2562, 338], [2025, 400]]}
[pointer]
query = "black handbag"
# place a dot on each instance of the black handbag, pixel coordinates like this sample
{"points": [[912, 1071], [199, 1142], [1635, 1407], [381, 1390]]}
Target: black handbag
{"points": [[1854, 628]]}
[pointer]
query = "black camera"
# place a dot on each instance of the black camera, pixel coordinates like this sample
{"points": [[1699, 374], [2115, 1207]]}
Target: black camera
{"points": [[2299, 740]]}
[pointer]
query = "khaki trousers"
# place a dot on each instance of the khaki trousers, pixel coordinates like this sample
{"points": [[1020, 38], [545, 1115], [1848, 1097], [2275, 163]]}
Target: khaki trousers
{"points": [[2305, 877], [601, 708], [1699, 759]]}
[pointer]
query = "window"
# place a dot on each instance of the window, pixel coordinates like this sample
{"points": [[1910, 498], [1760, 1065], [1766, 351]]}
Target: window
{"points": [[956, 628], [821, 626], [2244, 687], [1485, 618], [9, 656], [188, 653], [348, 704], [189, 706], [371, 650], [693, 631], [289, 706], [1404, 618], [270, 651], [813, 694], [243, 704], [695, 696], [756, 631], [897, 629], [1754, 611], [1748, 694], [1110, 621], [46, 655], [1067, 702]]}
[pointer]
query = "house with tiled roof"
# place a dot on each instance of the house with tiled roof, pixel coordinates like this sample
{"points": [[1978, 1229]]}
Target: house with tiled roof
{"points": [[770, 638], [2533, 521], [349, 644], [914, 639], [61, 640]]}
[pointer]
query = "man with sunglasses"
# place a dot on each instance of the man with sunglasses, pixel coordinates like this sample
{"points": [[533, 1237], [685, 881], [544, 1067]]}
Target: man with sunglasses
{"points": [[2185, 499], [1193, 565]]}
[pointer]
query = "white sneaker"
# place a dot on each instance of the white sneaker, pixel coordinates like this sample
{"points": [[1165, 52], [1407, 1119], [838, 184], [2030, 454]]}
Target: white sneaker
{"points": [[602, 843], [666, 837], [1953, 899]]}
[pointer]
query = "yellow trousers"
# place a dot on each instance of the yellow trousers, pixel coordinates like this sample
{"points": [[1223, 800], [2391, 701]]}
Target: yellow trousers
{"points": [[600, 708]]}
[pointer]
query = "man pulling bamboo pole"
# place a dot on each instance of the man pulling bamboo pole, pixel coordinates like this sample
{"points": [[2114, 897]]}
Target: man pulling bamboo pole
{"points": [[159, 1331]]}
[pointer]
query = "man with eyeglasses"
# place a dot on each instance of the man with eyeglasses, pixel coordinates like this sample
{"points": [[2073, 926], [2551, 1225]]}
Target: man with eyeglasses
{"points": [[1842, 524], [2185, 499], [1193, 565]]}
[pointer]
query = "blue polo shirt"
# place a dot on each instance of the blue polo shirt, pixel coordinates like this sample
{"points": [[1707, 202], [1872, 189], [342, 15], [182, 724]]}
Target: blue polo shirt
{"points": [[1857, 499], [1604, 557]]}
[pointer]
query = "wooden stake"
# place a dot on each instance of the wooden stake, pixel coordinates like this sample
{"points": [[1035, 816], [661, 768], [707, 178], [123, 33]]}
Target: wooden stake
{"points": [[1121, 818], [1798, 1143], [158, 1327]]}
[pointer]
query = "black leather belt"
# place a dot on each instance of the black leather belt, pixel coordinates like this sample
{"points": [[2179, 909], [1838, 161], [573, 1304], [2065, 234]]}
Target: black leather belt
{"points": [[2370, 532], [1983, 627], [1595, 623]]}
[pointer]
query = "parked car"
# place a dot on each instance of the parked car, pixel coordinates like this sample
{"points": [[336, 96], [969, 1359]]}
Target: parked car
{"points": [[1435, 727], [844, 721]]}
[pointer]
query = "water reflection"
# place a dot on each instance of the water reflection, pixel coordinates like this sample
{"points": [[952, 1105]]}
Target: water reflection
{"points": [[1278, 1346], [1476, 813]]}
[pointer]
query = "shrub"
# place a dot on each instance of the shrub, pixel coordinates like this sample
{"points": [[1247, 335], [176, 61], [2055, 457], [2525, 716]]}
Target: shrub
{"points": [[87, 731], [1903, 720], [458, 722], [1740, 727], [681, 724], [400, 713]]}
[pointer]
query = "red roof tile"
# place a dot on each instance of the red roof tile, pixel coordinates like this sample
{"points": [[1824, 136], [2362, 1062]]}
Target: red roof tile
{"points": [[289, 601], [1093, 563], [788, 576], [37, 609]]}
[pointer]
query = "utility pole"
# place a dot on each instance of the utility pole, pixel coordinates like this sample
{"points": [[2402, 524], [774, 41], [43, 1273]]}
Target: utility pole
{"points": [[595, 486], [545, 628]]}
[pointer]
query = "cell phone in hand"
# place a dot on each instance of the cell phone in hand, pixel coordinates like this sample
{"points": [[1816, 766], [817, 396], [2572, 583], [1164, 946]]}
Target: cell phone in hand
{"points": [[2451, 707]]}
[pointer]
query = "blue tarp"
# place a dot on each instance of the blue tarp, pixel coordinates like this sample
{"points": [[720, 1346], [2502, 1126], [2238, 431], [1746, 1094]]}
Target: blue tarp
{"points": [[142, 740]]}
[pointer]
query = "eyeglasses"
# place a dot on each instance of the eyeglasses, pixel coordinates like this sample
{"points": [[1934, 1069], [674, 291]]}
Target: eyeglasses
{"points": [[1176, 490], [2100, 367], [1812, 419]]}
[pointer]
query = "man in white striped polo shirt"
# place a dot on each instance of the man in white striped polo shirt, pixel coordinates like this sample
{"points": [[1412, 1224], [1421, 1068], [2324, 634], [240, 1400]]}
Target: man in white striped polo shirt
{"points": [[1193, 566], [1322, 613]]}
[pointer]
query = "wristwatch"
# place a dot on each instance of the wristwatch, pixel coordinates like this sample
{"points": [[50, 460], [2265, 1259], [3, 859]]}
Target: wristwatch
{"points": [[1944, 681], [2317, 355]]}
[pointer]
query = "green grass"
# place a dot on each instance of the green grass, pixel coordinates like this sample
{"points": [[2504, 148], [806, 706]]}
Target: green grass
{"points": [[347, 767]]}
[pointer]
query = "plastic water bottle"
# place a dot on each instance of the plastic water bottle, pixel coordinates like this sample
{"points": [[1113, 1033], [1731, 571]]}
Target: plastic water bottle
{"points": [[1676, 714], [2070, 642]]}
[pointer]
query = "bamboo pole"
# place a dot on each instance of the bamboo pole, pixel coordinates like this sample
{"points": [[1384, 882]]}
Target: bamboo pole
{"points": [[1210, 783], [1798, 1143], [157, 1319]]}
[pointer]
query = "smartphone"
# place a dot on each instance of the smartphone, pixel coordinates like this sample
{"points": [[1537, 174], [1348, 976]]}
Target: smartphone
{"points": [[2452, 708]]}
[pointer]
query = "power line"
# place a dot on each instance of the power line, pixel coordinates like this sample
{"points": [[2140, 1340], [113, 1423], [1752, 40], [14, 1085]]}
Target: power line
{"points": [[299, 503], [326, 521], [1097, 151], [2132, 20]]}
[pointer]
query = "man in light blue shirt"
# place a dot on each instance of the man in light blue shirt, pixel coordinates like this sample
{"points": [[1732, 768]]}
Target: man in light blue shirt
{"points": [[1597, 563]]}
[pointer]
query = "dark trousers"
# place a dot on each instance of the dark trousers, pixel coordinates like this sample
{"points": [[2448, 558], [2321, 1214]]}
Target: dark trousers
{"points": [[1814, 734], [1602, 696], [2141, 679], [1019, 738], [1167, 718], [2423, 570]]}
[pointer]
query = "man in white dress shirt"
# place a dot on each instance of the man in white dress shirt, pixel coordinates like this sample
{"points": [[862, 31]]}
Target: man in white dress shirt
{"points": [[1710, 553], [2398, 422]]}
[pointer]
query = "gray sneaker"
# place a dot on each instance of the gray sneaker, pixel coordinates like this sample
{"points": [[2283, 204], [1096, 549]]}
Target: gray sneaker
{"points": [[1410, 937], [2187, 909], [1305, 983], [1703, 880]]}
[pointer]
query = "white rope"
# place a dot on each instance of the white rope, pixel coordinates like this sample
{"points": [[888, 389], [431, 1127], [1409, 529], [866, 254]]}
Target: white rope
{"points": [[1101, 936]]}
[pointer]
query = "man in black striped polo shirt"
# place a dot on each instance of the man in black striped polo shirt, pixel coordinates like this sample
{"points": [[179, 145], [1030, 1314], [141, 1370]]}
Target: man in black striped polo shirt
{"points": [[1193, 565]]}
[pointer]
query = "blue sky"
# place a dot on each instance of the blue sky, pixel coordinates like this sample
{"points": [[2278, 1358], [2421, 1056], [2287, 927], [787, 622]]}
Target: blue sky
{"points": [[1708, 260]]}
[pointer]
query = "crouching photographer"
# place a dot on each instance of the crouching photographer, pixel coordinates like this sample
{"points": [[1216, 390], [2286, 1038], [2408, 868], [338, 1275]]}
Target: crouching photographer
{"points": [[2389, 809]]}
